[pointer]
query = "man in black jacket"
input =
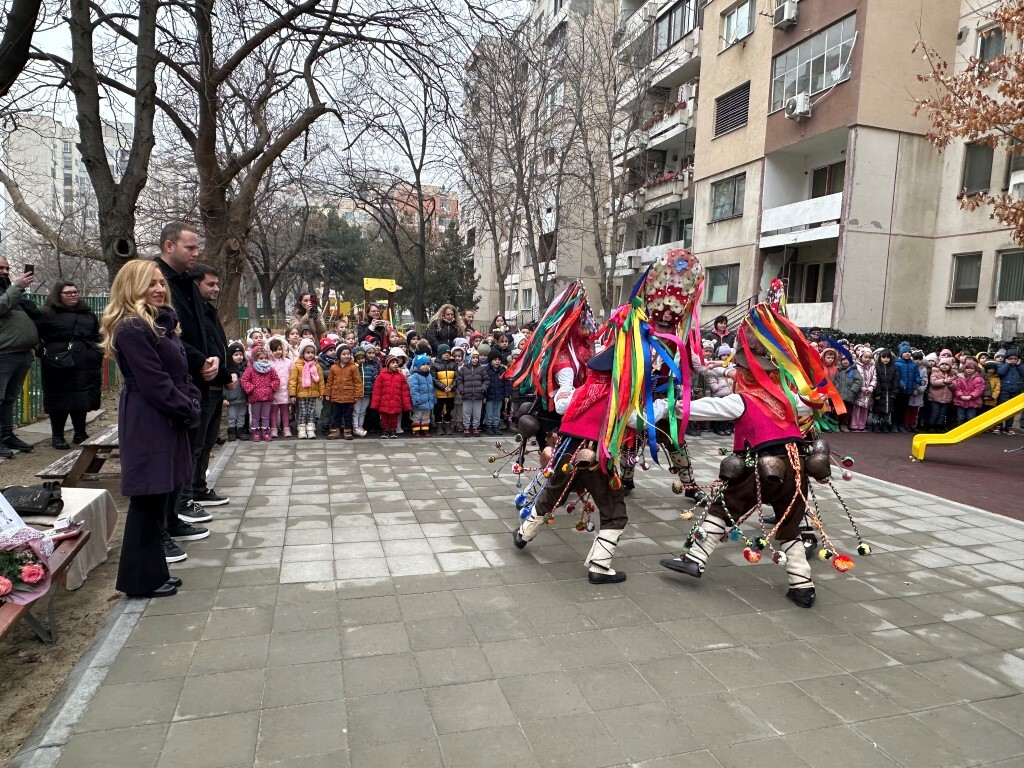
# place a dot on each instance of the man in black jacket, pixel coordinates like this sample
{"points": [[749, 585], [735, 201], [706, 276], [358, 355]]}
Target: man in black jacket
{"points": [[208, 281], [179, 249]]}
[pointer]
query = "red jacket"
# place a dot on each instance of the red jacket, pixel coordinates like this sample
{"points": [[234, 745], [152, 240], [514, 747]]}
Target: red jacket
{"points": [[391, 393], [260, 387]]}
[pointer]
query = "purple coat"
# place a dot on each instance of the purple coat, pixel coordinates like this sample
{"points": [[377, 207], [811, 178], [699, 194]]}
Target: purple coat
{"points": [[157, 399]]}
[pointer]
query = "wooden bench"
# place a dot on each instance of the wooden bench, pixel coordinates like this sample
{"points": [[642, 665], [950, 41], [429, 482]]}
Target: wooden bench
{"points": [[61, 558], [85, 464]]}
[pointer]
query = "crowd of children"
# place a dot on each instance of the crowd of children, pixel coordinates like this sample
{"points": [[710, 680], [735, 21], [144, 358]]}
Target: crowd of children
{"points": [[342, 387]]}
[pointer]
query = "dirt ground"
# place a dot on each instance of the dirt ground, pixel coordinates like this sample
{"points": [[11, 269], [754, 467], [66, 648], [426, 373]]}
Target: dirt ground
{"points": [[31, 672]]}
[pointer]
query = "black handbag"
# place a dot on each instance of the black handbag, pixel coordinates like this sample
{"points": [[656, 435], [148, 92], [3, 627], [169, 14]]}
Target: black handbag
{"points": [[61, 360], [42, 499]]}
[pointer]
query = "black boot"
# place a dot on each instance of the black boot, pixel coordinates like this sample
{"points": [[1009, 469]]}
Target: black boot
{"points": [[59, 443], [802, 597], [15, 442], [627, 486], [232, 434], [683, 564]]}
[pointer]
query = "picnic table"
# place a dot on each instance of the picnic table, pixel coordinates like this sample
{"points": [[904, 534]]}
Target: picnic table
{"points": [[86, 463]]}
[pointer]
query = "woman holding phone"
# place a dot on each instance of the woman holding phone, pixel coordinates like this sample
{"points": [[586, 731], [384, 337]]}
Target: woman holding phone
{"points": [[158, 404]]}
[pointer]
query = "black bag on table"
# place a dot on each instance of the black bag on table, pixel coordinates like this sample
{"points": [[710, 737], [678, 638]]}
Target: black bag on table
{"points": [[42, 499]]}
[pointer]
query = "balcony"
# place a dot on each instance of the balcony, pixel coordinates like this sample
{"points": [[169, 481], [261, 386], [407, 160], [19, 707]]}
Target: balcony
{"points": [[638, 22], [628, 262], [679, 63], [802, 222], [672, 128], [665, 194]]}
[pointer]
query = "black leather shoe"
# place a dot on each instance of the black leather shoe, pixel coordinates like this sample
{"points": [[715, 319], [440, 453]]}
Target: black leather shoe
{"points": [[15, 442], [79, 438], [518, 540], [627, 486], [60, 443], [802, 597], [683, 565], [174, 581], [5, 452], [164, 590], [606, 578]]}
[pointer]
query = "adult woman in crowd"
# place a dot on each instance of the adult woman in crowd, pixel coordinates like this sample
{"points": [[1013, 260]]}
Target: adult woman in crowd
{"points": [[469, 318], [72, 363], [158, 404], [498, 325], [374, 326], [306, 311], [445, 327]]}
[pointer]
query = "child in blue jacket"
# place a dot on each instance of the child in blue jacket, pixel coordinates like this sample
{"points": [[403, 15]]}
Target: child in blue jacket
{"points": [[421, 390], [1011, 383], [499, 390]]}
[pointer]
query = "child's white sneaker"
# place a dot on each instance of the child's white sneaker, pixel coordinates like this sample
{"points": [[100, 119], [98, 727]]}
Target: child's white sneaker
{"points": [[360, 432], [288, 432], [273, 431]]}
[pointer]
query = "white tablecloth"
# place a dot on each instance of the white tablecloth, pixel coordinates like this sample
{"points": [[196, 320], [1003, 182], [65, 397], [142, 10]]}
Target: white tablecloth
{"points": [[95, 508]]}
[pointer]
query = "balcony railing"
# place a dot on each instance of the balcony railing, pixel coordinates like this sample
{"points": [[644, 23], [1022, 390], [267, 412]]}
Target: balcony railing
{"points": [[672, 126], [802, 222], [638, 258], [638, 22]]}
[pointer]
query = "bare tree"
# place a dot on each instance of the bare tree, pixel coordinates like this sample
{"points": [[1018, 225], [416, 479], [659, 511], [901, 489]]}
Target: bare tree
{"points": [[16, 44]]}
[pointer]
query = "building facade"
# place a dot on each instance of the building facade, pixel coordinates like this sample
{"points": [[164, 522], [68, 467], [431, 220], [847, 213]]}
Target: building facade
{"points": [[791, 150]]}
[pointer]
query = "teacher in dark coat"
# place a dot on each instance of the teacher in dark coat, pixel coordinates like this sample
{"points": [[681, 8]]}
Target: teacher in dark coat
{"points": [[158, 404], [72, 363]]}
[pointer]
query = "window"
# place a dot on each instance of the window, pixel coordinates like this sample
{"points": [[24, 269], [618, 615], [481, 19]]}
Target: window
{"points": [[828, 180], [67, 147], [990, 43], [815, 283], [727, 197], [722, 284], [514, 261], [512, 299], [555, 98], [966, 278], [816, 64], [737, 23], [1014, 162], [731, 109], [1011, 276], [471, 237], [538, 25], [977, 168], [527, 298], [675, 24]]}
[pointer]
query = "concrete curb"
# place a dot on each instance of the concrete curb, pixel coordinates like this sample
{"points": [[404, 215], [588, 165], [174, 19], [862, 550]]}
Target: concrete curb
{"points": [[45, 744]]}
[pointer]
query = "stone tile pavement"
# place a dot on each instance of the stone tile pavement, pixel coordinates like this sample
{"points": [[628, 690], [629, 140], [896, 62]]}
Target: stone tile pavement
{"points": [[361, 604]]}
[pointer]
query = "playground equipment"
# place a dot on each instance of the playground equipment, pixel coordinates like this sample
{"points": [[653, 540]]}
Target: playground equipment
{"points": [[371, 284], [970, 428]]}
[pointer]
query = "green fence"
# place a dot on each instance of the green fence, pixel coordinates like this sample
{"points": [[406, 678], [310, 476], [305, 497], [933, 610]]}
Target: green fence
{"points": [[29, 406]]}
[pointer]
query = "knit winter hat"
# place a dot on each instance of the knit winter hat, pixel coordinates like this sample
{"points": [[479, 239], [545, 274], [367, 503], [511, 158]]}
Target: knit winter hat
{"points": [[397, 352], [420, 360], [460, 342], [723, 350], [389, 358], [904, 347], [1013, 352], [494, 354], [1000, 353], [358, 352], [342, 347], [442, 348], [235, 346], [326, 344], [991, 365], [484, 350], [970, 362], [303, 343]]}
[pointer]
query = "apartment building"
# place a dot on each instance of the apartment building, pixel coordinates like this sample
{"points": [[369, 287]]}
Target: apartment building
{"points": [[807, 163]]}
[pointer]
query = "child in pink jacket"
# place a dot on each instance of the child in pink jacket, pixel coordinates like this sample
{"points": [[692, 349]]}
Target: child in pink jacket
{"points": [[260, 382], [281, 404], [967, 391]]}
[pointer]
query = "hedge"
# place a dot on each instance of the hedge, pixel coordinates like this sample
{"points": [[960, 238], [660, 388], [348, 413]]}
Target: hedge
{"points": [[973, 344]]}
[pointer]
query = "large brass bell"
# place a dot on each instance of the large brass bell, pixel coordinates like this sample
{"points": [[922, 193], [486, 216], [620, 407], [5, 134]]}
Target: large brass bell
{"points": [[584, 458], [732, 466], [772, 469], [818, 466], [528, 426]]}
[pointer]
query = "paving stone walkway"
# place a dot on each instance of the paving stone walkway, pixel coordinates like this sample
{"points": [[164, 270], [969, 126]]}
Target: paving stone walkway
{"points": [[361, 604]]}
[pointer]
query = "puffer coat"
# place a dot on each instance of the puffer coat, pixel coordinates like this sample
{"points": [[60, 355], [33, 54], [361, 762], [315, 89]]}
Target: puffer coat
{"points": [[391, 393], [344, 384], [443, 374], [260, 387], [498, 387], [315, 388], [369, 371], [421, 390], [969, 390], [283, 368], [887, 380], [867, 386], [940, 386], [77, 388], [472, 382], [848, 383]]}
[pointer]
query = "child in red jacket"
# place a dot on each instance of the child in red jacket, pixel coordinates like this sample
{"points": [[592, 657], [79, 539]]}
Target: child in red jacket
{"points": [[391, 397], [260, 382]]}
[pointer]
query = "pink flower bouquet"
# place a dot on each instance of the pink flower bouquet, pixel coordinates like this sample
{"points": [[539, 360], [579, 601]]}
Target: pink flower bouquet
{"points": [[24, 561]]}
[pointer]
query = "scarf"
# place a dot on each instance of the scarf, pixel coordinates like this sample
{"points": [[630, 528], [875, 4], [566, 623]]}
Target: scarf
{"points": [[261, 366], [310, 373]]}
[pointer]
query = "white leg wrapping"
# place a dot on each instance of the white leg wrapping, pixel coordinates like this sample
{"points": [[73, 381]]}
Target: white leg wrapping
{"points": [[701, 550], [797, 567], [530, 526], [601, 553]]}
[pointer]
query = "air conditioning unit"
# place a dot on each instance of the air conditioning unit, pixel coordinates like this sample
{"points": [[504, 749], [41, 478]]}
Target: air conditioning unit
{"points": [[799, 106], [689, 44], [785, 15], [1017, 191]]}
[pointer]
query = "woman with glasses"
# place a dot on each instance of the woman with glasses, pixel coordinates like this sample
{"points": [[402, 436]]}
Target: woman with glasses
{"points": [[71, 361]]}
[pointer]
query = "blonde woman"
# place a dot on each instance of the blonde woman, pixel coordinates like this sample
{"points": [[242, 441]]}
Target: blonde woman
{"points": [[445, 327], [158, 402]]}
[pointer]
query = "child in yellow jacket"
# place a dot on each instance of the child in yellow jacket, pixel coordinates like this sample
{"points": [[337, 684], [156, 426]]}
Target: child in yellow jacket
{"points": [[306, 385]]}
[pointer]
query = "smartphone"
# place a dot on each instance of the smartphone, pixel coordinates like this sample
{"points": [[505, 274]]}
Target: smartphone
{"points": [[30, 267]]}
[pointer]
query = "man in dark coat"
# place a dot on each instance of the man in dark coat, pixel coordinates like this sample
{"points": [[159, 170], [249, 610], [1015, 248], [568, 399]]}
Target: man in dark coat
{"points": [[179, 249], [208, 281], [18, 338]]}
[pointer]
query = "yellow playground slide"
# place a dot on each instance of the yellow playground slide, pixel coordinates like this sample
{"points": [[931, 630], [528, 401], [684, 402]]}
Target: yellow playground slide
{"points": [[968, 429]]}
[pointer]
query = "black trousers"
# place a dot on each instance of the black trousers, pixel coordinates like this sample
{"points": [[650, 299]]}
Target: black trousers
{"points": [[59, 420], [205, 439], [142, 567]]}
